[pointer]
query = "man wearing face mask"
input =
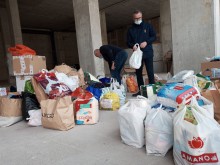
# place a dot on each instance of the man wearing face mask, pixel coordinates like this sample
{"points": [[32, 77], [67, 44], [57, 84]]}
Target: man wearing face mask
{"points": [[143, 34], [116, 58]]}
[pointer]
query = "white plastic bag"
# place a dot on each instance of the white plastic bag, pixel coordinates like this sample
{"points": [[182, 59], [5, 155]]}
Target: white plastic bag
{"points": [[35, 118], [135, 60], [158, 132], [181, 76], [123, 80], [192, 81], [197, 142], [72, 81], [119, 89], [131, 122]]}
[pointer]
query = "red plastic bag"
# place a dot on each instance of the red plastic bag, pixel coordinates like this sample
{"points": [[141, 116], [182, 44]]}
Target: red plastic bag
{"points": [[51, 85], [81, 93], [21, 50]]}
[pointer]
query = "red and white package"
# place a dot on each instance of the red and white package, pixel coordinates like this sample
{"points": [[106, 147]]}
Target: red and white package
{"points": [[51, 85], [196, 142]]}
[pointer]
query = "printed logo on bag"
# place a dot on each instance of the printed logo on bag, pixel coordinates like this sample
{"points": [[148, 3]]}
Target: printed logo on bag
{"points": [[204, 158], [196, 143], [47, 115]]}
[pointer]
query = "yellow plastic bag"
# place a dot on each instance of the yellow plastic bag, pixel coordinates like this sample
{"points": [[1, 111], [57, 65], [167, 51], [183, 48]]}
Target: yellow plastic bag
{"points": [[110, 101]]}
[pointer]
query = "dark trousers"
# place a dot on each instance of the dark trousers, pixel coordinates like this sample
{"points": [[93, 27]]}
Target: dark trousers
{"points": [[120, 60], [148, 61]]}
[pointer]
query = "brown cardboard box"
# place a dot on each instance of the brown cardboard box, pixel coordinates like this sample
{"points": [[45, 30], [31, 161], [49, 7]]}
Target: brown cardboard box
{"points": [[128, 69], [213, 96], [28, 65], [206, 68]]}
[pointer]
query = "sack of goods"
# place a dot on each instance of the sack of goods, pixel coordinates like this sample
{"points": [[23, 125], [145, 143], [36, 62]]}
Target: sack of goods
{"points": [[131, 122], [110, 101], [158, 132], [172, 94], [196, 136], [87, 111], [51, 85], [120, 90], [58, 114], [10, 110]]}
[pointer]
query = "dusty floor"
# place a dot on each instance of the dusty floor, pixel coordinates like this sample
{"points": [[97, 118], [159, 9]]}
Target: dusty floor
{"points": [[86, 144]]}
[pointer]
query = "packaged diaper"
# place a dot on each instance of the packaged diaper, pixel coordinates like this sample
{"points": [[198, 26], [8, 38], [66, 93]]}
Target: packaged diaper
{"points": [[87, 111]]}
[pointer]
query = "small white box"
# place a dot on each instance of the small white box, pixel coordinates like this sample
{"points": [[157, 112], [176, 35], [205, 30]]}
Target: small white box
{"points": [[20, 82]]}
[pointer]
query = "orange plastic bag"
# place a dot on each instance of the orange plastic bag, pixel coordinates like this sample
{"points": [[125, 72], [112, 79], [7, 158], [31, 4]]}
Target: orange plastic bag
{"points": [[132, 84], [21, 50]]}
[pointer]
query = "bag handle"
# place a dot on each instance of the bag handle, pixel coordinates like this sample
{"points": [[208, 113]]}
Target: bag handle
{"points": [[138, 47]]}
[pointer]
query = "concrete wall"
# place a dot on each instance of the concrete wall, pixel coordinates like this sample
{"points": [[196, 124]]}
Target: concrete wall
{"points": [[41, 43], [66, 48], [192, 33]]}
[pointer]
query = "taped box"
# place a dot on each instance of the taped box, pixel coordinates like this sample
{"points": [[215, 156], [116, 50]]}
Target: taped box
{"points": [[211, 69], [28, 65], [20, 82], [128, 69]]}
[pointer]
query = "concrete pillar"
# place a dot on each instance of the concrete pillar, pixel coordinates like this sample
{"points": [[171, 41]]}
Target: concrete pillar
{"points": [[103, 28], [192, 33], [14, 21], [104, 37], [166, 32], [217, 26], [165, 24], [88, 32]]}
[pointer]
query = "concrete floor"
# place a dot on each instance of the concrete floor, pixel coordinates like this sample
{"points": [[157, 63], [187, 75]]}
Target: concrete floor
{"points": [[97, 144]]}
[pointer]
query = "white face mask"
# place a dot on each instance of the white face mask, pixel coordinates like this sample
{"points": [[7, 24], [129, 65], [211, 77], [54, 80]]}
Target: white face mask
{"points": [[138, 22]]}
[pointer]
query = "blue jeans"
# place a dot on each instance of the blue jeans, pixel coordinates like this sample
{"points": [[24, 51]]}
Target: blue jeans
{"points": [[120, 60]]}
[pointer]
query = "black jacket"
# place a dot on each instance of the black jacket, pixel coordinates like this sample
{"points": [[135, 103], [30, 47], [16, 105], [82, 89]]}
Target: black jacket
{"points": [[109, 53], [141, 33]]}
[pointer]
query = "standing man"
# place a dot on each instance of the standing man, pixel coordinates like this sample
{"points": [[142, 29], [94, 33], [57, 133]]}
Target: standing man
{"points": [[116, 58], [143, 34]]}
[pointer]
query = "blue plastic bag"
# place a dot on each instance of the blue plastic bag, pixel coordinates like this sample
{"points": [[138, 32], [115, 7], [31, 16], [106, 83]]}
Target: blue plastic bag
{"points": [[105, 80], [95, 91]]}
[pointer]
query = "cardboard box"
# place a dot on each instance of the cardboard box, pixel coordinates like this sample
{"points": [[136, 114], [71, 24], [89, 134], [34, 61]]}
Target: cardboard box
{"points": [[28, 65], [128, 69], [20, 82], [207, 68]]}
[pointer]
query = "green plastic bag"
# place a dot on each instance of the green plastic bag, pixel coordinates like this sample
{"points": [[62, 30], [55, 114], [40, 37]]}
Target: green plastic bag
{"points": [[28, 87]]}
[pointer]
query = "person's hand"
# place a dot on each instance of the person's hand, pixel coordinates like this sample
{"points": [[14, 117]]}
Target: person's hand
{"points": [[143, 44], [113, 66], [134, 47]]}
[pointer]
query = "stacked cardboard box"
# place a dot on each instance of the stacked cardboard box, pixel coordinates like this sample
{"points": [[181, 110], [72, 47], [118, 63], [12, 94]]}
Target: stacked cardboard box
{"points": [[211, 69], [24, 67]]}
